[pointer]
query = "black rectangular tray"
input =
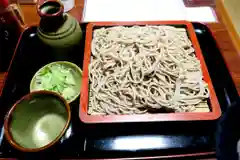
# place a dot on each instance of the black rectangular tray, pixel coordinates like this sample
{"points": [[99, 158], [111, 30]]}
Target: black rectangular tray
{"points": [[116, 140]]}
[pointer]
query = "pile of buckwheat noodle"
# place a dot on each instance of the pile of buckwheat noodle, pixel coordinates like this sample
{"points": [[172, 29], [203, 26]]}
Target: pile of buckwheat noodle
{"points": [[143, 69]]}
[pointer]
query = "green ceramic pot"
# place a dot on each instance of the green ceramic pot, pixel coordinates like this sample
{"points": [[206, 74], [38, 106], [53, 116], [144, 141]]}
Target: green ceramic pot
{"points": [[58, 30], [37, 121]]}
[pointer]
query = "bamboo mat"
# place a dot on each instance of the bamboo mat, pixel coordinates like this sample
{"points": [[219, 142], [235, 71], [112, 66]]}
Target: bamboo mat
{"points": [[202, 107]]}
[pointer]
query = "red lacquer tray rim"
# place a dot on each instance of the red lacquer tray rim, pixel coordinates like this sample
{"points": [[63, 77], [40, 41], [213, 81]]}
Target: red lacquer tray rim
{"points": [[14, 53], [214, 114]]}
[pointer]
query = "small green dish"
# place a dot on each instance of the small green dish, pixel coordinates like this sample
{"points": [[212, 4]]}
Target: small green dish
{"points": [[62, 77], [37, 121]]}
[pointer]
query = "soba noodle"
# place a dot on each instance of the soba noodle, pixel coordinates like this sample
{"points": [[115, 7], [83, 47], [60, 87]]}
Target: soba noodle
{"points": [[140, 69]]}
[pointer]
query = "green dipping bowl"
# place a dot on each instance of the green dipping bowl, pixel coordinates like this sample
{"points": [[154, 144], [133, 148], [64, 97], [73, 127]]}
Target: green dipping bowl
{"points": [[76, 72], [37, 121]]}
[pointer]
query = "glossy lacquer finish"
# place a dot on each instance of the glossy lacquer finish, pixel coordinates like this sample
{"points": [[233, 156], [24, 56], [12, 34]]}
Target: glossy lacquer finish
{"points": [[150, 139], [215, 110]]}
